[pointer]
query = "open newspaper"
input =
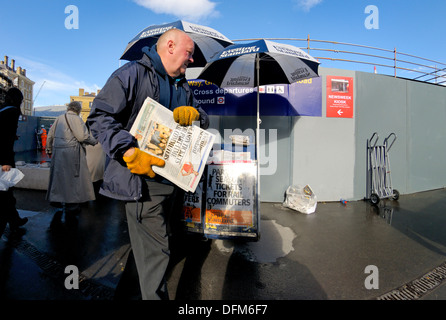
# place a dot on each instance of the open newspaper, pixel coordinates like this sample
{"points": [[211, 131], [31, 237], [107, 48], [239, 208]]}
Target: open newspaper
{"points": [[185, 149]]}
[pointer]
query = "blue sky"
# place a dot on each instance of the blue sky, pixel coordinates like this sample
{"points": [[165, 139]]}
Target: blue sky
{"points": [[34, 32]]}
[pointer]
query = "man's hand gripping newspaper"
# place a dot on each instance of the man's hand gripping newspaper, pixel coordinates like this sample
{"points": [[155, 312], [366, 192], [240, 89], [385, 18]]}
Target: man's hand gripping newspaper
{"points": [[140, 162]]}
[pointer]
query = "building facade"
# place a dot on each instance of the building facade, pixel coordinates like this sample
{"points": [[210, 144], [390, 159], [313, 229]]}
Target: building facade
{"points": [[12, 76], [85, 99]]}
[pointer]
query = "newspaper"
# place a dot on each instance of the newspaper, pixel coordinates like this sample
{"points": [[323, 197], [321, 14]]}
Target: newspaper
{"points": [[184, 149]]}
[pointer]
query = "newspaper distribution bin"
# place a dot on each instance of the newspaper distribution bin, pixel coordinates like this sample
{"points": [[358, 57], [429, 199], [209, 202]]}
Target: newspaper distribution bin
{"points": [[225, 204]]}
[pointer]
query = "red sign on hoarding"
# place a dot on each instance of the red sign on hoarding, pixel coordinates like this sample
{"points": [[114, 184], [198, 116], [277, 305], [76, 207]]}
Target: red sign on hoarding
{"points": [[339, 97]]}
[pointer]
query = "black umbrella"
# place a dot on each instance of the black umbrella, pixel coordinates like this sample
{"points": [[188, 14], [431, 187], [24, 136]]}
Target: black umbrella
{"points": [[207, 41], [259, 63]]}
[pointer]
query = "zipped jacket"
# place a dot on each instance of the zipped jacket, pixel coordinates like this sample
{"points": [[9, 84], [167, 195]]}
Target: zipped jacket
{"points": [[114, 111]]}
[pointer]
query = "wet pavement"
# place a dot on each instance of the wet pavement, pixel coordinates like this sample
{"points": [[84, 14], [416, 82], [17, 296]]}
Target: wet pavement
{"points": [[357, 251]]}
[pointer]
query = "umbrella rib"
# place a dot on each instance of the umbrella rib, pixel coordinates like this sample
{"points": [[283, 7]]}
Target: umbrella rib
{"points": [[266, 57]]}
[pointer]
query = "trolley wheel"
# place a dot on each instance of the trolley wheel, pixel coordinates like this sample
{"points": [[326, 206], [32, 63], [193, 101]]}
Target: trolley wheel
{"points": [[374, 199], [396, 194]]}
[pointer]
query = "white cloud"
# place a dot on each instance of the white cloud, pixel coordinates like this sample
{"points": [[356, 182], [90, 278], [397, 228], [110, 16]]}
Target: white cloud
{"points": [[306, 5], [192, 10], [55, 86]]}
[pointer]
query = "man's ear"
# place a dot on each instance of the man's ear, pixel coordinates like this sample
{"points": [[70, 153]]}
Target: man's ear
{"points": [[170, 46]]}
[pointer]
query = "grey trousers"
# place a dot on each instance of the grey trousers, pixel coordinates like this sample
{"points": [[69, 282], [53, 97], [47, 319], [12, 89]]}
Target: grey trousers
{"points": [[148, 229]]}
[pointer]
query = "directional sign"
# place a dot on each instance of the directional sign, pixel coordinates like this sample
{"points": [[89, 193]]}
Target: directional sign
{"points": [[339, 97], [302, 98]]}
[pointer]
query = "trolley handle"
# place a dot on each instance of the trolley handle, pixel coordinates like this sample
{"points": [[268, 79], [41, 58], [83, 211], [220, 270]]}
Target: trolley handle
{"points": [[387, 139], [373, 144]]}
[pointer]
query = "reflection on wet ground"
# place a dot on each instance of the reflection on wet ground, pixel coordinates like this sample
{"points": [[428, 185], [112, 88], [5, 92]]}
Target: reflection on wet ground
{"points": [[385, 211], [318, 256], [420, 216], [32, 156]]}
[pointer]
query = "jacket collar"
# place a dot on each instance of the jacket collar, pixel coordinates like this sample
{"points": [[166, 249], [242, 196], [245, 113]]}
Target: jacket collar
{"points": [[6, 107], [151, 58]]}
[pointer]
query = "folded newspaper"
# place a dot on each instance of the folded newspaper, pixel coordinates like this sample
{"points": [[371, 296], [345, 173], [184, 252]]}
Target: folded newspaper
{"points": [[185, 149]]}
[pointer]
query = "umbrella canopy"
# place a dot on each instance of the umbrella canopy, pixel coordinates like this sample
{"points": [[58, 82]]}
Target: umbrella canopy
{"points": [[207, 41], [257, 63]]}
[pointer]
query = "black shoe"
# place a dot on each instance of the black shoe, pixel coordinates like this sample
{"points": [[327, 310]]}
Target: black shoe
{"points": [[18, 223], [56, 222]]}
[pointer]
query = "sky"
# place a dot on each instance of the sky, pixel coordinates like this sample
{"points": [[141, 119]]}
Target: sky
{"points": [[67, 45]]}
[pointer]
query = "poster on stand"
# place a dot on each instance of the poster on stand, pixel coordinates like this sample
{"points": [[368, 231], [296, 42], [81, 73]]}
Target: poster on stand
{"points": [[231, 205], [225, 203], [193, 210]]}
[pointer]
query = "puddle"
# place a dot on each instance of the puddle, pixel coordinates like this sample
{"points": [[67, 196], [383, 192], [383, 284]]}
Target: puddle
{"points": [[276, 241], [26, 213], [32, 157]]}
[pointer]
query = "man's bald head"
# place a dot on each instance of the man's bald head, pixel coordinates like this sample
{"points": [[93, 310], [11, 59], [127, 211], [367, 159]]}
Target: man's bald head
{"points": [[175, 48]]}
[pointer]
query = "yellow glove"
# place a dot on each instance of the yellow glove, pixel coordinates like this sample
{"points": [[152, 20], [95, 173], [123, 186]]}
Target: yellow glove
{"points": [[141, 162], [185, 115]]}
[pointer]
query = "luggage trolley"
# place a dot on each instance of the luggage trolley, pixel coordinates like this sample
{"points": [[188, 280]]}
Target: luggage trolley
{"points": [[378, 168]]}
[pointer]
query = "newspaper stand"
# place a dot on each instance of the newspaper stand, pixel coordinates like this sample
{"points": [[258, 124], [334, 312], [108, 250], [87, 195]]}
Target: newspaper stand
{"points": [[225, 205]]}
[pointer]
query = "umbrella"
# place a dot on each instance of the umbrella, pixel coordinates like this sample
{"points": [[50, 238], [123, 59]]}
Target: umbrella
{"points": [[259, 63], [207, 41]]}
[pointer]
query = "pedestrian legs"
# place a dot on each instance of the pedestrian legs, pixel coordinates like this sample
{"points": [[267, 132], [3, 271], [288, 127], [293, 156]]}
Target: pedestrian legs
{"points": [[9, 213], [147, 222]]}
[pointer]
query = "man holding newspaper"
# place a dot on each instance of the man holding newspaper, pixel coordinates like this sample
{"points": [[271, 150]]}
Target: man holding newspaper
{"points": [[149, 198]]}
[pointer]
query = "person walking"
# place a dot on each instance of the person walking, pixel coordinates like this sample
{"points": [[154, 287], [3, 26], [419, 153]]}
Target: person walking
{"points": [[43, 136], [149, 199], [70, 182], [9, 117]]}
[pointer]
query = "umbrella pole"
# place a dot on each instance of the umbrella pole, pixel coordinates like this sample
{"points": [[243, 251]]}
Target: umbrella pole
{"points": [[258, 100], [257, 137], [258, 108]]}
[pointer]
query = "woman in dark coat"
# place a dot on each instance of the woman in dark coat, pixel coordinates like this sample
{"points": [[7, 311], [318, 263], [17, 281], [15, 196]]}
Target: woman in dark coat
{"points": [[9, 117]]}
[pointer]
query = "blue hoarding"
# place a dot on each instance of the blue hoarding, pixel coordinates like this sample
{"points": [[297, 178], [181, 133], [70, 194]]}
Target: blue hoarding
{"points": [[303, 98]]}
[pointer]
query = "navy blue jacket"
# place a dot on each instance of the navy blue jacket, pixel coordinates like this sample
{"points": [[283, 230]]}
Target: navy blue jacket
{"points": [[115, 109]]}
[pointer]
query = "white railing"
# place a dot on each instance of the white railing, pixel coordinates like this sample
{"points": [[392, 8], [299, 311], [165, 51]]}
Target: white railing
{"points": [[403, 65]]}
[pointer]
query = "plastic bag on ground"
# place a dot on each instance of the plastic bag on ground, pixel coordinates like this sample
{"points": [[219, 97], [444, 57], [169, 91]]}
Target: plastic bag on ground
{"points": [[301, 199], [10, 178]]}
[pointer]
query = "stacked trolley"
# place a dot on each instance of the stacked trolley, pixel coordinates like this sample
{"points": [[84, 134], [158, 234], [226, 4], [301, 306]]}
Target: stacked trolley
{"points": [[378, 169]]}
